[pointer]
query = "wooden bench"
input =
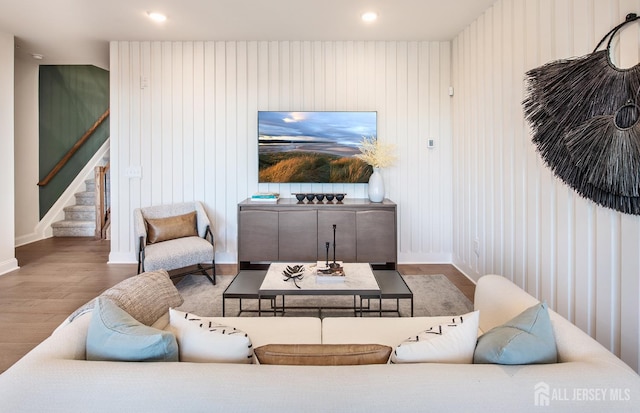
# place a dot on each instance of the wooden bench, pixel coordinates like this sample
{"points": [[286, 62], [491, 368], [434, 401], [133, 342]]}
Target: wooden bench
{"points": [[392, 286]]}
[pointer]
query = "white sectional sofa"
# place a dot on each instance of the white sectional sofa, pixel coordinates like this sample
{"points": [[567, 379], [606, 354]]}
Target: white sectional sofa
{"points": [[56, 377]]}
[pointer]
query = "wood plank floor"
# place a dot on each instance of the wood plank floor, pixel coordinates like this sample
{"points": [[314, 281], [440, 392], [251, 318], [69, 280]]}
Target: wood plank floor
{"points": [[58, 275]]}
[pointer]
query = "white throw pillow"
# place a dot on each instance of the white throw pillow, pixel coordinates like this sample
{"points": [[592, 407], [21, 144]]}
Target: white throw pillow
{"points": [[452, 342], [204, 341]]}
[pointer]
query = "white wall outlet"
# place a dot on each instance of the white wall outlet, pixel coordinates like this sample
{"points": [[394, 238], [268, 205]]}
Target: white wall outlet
{"points": [[133, 172], [476, 247]]}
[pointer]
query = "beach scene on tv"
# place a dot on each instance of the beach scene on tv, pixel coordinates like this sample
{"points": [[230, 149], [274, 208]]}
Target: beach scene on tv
{"points": [[313, 147]]}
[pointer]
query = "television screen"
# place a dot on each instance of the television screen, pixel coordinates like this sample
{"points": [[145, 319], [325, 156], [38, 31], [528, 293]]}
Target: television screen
{"points": [[313, 147]]}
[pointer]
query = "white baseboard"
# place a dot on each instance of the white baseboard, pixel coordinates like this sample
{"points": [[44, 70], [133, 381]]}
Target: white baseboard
{"points": [[472, 279], [471, 275], [8, 266], [122, 258], [33, 237], [424, 258]]}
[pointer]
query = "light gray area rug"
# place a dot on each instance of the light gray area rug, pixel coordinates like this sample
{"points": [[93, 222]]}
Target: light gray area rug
{"points": [[433, 295]]}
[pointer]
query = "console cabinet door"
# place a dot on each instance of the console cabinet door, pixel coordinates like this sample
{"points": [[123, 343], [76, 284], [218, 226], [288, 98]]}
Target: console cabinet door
{"points": [[345, 222], [258, 236], [376, 236], [298, 239]]}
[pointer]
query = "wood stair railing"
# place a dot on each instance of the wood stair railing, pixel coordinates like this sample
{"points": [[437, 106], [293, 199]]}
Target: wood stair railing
{"points": [[74, 149]]}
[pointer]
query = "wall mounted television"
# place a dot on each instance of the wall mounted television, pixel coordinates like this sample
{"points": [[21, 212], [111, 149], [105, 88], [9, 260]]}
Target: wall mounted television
{"points": [[313, 147]]}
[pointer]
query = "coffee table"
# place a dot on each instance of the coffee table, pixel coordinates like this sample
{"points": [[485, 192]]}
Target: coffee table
{"points": [[358, 281]]}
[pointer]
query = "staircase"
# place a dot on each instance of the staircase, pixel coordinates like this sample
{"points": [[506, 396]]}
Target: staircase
{"points": [[79, 219]]}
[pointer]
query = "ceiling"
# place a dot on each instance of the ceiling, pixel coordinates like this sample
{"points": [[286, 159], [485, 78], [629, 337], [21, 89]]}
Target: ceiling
{"points": [[78, 31]]}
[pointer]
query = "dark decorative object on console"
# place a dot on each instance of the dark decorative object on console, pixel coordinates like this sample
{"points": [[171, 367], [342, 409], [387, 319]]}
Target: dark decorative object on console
{"points": [[319, 197]]}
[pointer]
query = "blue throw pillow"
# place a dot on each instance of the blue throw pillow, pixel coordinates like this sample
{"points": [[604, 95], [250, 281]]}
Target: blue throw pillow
{"points": [[526, 339], [114, 335]]}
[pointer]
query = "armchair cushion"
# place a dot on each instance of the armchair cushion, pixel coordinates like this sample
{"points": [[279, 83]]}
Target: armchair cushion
{"points": [[164, 229], [177, 253]]}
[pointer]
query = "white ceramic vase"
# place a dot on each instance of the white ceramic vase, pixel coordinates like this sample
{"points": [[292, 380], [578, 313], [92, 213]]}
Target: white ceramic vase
{"points": [[376, 186]]}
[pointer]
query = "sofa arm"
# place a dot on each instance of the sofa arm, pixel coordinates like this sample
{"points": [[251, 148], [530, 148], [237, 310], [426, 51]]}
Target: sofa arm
{"points": [[67, 342], [499, 300]]}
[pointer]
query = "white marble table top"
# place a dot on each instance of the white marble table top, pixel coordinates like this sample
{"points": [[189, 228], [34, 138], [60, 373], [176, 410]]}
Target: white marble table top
{"points": [[358, 279]]}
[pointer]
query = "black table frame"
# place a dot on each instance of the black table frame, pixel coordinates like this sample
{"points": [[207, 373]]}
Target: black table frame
{"points": [[246, 285]]}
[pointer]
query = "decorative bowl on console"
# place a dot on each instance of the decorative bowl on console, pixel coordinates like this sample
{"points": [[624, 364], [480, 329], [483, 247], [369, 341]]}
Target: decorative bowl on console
{"points": [[300, 197], [310, 197], [319, 197], [329, 197], [339, 197]]}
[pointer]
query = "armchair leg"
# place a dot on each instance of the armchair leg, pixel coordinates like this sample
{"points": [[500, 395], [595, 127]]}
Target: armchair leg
{"points": [[212, 277]]}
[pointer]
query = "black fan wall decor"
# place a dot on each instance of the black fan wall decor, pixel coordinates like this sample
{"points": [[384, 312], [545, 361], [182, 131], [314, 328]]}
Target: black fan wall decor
{"points": [[586, 124]]}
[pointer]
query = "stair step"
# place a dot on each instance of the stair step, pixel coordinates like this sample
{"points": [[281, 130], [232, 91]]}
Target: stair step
{"points": [[90, 185], [73, 228], [80, 213], [85, 198]]}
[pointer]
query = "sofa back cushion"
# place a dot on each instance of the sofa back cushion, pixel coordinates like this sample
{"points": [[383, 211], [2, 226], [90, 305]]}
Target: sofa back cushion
{"points": [[493, 311], [323, 354]]}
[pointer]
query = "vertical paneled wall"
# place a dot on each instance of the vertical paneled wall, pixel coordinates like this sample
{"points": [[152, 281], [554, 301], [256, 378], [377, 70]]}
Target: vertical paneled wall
{"points": [[186, 113], [511, 215]]}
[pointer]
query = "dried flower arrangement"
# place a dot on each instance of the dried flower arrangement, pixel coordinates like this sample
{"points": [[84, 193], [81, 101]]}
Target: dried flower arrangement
{"points": [[375, 153]]}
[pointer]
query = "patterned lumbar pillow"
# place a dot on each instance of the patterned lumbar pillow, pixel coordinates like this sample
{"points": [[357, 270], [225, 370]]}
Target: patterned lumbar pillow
{"points": [[114, 335], [452, 342], [202, 340], [528, 338]]}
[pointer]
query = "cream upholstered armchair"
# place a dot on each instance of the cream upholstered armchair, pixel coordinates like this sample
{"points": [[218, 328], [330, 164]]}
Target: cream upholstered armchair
{"points": [[175, 237]]}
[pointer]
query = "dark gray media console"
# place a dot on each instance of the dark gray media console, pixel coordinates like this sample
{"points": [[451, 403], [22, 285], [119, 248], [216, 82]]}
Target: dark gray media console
{"points": [[292, 231]]}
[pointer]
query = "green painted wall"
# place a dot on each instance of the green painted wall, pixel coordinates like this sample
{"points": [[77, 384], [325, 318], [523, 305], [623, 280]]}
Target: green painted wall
{"points": [[71, 99]]}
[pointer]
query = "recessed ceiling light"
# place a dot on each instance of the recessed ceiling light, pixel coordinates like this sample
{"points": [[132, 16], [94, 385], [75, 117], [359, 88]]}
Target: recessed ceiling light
{"points": [[37, 56], [369, 16], [157, 17]]}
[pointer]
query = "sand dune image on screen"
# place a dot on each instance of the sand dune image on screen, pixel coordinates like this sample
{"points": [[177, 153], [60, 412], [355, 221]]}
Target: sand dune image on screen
{"points": [[313, 147]]}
